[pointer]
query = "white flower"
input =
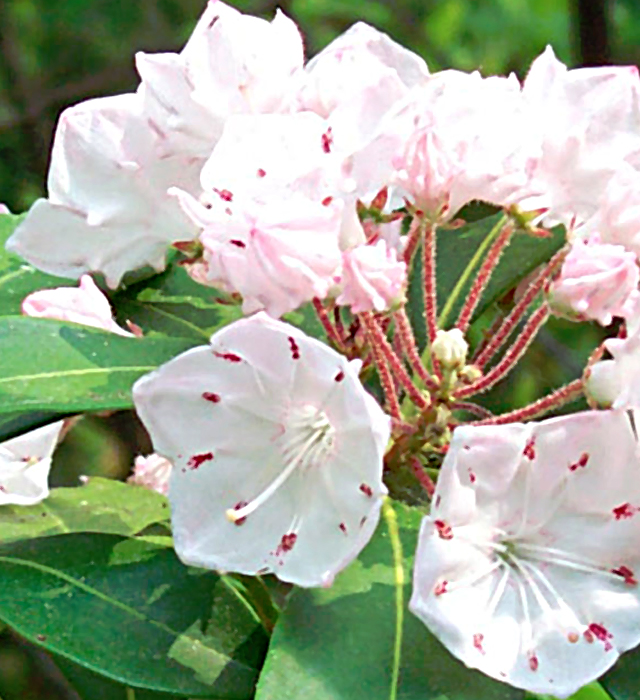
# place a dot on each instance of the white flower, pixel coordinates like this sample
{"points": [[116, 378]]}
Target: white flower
{"points": [[25, 462], [277, 452], [450, 348], [527, 565]]}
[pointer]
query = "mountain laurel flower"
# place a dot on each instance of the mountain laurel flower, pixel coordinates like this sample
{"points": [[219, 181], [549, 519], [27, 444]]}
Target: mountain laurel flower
{"points": [[277, 451], [527, 566], [84, 304], [597, 282], [151, 471], [372, 279], [25, 462]]}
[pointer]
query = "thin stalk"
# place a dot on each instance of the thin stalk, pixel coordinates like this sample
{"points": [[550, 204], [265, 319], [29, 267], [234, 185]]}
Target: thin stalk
{"points": [[379, 342], [413, 238], [517, 313], [329, 329], [421, 475], [386, 380], [479, 411], [487, 268], [468, 271], [511, 357], [566, 394], [429, 280], [410, 349], [391, 519]]}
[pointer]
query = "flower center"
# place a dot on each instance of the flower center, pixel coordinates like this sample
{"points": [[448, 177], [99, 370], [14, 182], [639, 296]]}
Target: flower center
{"points": [[306, 442]]}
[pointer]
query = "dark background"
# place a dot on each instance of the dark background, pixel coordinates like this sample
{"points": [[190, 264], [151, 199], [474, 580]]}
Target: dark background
{"points": [[54, 53]]}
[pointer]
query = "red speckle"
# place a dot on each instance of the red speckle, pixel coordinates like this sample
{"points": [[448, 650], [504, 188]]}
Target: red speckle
{"points": [[197, 460], [339, 377], [213, 21], [286, 543], [626, 510], [327, 140], [343, 528], [327, 201], [440, 588], [261, 172], [238, 505], [438, 501], [444, 530], [533, 662], [472, 477], [366, 490], [477, 642], [295, 350], [363, 520], [237, 243], [210, 396], [530, 450], [228, 356], [581, 463], [601, 633], [263, 570], [224, 195], [626, 573], [3, 489]]}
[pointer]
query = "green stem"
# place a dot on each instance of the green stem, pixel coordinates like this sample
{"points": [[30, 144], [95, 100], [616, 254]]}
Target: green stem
{"points": [[391, 519], [464, 278]]}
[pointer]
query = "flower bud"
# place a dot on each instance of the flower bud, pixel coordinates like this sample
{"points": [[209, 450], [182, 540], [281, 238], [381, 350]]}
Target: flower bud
{"points": [[450, 348], [602, 384]]}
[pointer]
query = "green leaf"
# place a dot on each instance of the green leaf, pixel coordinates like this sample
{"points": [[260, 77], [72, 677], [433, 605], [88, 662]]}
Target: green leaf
{"points": [[338, 643], [101, 505], [52, 366], [621, 682], [91, 686], [129, 610], [17, 277], [173, 304], [455, 249]]}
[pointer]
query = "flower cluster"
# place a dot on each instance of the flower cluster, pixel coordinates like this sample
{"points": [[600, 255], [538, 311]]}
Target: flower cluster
{"points": [[282, 183]]}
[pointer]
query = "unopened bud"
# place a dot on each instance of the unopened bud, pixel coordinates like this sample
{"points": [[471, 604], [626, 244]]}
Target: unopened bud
{"points": [[450, 349], [469, 374], [602, 384]]}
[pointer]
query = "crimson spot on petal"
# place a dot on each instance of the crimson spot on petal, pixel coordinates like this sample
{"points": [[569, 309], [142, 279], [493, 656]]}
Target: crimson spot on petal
{"points": [[533, 662], [440, 588], [339, 377], [237, 243], [327, 140], [327, 201], [626, 510], [343, 528], [197, 460], [286, 543], [530, 450], [225, 195], [444, 530], [477, 642], [261, 172], [295, 350], [228, 356], [210, 396], [581, 463], [366, 490], [601, 633]]}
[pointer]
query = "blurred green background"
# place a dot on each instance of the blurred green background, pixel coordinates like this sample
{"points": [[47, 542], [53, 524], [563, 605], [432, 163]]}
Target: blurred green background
{"points": [[54, 53]]}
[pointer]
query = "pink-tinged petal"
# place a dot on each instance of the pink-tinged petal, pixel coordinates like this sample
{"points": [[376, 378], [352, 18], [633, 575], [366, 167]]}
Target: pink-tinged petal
{"points": [[617, 381], [152, 472], [372, 278], [270, 452], [533, 580], [84, 304], [25, 462]]}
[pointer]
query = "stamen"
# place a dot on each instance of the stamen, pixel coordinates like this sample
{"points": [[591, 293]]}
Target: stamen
{"points": [[558, 557], [471, 580]]}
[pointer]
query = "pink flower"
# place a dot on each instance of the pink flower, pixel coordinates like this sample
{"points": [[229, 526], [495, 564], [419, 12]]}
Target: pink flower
{"points": [[527, 565], [597, 282], [277, 452], [372, 278], [25, 462], [85, 304], [276, 257], [152, 472]]}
